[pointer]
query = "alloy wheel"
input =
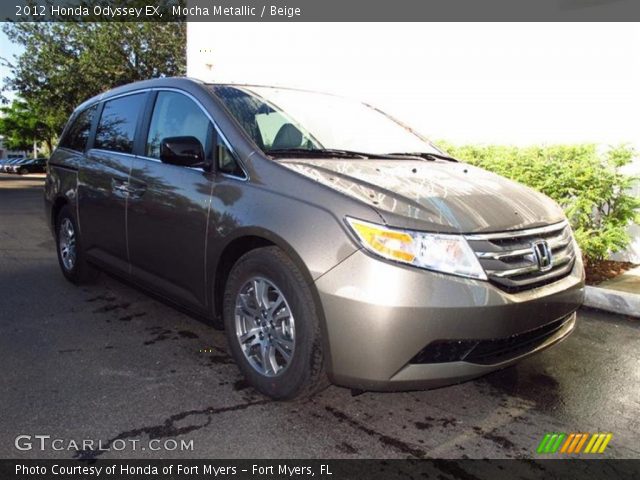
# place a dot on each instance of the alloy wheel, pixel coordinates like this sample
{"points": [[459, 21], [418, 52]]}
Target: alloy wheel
{"points": [[67, 244], [265, 327]]}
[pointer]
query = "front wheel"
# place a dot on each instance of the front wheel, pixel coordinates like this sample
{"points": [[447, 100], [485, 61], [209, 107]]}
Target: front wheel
{"points": [[272, 325], [23, 171], [71, 256]]}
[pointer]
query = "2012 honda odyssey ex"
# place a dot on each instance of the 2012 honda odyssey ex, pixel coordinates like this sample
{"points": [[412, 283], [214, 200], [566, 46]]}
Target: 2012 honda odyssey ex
{"points": [[330, 240]]}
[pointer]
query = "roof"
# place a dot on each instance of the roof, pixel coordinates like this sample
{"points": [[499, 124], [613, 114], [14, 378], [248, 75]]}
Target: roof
{"points": [[175, 82]]}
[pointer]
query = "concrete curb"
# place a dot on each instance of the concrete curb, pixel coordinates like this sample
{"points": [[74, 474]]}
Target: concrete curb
{"points": [[613, 301]]}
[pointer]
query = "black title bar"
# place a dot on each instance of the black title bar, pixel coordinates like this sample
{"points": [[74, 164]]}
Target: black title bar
{"points": [[318, 469], [319, 11]]}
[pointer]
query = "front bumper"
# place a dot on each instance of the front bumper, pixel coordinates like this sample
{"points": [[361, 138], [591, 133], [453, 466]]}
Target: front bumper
{"points": [[380, 316]]}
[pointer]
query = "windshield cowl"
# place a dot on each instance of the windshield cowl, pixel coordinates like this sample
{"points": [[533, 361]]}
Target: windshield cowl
{"points": [[334, 153]]}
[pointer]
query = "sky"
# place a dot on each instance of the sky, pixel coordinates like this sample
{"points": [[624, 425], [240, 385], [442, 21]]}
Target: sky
{"points": [[7, 50], [513, 83]]}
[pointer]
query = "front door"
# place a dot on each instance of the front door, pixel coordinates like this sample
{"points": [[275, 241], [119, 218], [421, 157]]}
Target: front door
{"points": [[168, 205]]}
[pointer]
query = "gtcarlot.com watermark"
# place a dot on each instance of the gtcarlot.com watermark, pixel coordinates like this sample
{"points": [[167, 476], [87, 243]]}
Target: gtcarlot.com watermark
{"points": [[47, 443]]}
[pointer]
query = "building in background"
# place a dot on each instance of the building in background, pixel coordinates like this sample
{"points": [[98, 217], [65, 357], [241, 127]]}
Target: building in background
{"points": [[466, 83], [8, 154]]}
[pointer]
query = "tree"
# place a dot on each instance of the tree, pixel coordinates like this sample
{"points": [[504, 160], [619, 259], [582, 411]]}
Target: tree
{"points": [[587, 182], [22, 127], [64, 64]]}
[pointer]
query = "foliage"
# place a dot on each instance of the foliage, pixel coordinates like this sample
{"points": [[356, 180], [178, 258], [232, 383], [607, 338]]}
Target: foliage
{"points": [[586, 182], [65, 63], [21, 126]]}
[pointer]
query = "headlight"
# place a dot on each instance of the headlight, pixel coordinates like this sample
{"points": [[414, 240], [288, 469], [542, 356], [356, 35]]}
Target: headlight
{"points": [[432, 251]]}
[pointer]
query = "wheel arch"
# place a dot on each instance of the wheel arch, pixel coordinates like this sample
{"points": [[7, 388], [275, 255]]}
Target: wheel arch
{"points": [[58, 203], [243, 242]]}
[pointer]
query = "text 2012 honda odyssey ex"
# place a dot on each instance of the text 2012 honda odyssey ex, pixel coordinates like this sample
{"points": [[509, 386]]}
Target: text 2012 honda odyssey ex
{"points": [[330, 240]]}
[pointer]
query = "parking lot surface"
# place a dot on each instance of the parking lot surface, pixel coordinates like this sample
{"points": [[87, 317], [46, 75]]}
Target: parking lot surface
{"points": [[108, 363]]}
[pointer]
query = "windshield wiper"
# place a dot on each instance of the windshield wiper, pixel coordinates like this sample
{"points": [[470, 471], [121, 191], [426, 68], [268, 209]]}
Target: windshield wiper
{"points": [[333, 152], [313, 152], [428, 156]]}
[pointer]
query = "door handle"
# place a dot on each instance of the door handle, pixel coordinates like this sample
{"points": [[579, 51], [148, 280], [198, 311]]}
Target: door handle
{"points": [[137, 191], [119, 187], [125, 188]]}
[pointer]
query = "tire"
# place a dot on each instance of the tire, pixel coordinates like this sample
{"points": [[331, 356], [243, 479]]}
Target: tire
{"points": [[293, 327], [23, 171], [71, 255]]}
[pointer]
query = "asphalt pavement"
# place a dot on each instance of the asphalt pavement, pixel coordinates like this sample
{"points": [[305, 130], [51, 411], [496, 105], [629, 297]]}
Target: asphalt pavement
{"points": [[109, 364]]}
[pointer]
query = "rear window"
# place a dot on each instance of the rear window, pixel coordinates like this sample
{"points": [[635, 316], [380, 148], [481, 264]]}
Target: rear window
{"points": [[117, 127], [78, 133]]}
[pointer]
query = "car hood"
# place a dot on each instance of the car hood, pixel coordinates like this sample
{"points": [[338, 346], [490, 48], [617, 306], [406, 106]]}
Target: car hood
{"points": [[434, 195]]}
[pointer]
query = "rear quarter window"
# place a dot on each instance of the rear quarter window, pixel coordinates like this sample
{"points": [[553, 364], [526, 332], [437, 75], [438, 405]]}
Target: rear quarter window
{"points": [[77, 135]]}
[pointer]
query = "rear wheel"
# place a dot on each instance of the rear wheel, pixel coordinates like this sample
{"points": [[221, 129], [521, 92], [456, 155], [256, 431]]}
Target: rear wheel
{"points": [[272, 325], [71, 256]]}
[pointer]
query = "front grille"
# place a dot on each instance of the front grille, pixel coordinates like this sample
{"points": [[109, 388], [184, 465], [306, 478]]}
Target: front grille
{"points": [[510, 262], [488, 352]]}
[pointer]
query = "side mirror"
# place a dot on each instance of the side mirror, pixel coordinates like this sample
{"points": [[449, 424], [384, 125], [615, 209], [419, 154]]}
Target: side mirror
{"points": [[184, 151]]}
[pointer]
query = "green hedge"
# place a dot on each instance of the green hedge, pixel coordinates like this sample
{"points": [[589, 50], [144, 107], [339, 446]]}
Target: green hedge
{"points": [[584, 180]]}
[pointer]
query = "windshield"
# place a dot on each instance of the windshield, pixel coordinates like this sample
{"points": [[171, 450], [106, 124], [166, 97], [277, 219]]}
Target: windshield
{"points": [[282, 119]]}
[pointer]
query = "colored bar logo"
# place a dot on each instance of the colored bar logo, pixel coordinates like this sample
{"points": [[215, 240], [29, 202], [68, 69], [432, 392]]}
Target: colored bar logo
{"points": [[574, 443]]}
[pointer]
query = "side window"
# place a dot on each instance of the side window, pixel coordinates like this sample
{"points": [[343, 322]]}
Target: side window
{"points": [[227, 163], [176, 115], [117, 126], [78, 133]]}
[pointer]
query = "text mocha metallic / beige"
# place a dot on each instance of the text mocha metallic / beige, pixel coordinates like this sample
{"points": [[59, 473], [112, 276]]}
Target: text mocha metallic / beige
{"points": [[329, 240]]}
